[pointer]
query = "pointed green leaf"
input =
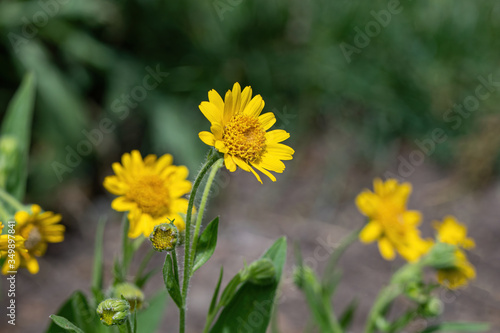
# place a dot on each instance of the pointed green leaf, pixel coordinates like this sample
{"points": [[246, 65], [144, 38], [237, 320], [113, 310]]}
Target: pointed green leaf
{"points": [[206, 244], [65, 323], [457, 327], [251, 307], [17, 126], [75, 310], [97, 272], [213, 303], [347, 316], [171, 282], [149, 319]]}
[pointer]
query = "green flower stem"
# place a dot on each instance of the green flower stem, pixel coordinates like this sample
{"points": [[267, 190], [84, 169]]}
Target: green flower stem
{"points": [[176, 267], [187, 247], [403, 276], [217, 165], [11, 201], [126, 327]]}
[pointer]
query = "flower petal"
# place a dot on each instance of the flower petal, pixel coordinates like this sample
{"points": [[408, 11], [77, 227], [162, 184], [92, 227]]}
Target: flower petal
{"points": [[371, 232], [207, 138], [386, 249]]}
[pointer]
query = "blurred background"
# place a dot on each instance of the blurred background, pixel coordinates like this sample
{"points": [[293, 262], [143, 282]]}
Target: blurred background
{"points": [[405, 89]]}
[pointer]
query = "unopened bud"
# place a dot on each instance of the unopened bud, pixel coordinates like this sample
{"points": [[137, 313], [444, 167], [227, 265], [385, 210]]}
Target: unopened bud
{"points": [[113, 311], [164, 237], [261, 272], [131, 293], [441, 256], [433, 308]]}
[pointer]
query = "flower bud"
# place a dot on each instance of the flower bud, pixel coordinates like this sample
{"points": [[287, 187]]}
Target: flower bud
{"points": [[261, 272], [131, 293], [164, 237], [441, 256], [305, 276], [113, 311], [433, 308]]}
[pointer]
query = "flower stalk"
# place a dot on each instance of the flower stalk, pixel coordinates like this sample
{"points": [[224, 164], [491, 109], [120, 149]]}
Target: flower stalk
{"points": [[188, 249]]}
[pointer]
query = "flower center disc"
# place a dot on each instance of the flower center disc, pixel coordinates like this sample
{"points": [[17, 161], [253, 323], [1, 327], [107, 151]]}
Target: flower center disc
{"points": [[150, 194], [245, 138], [34, 237]]}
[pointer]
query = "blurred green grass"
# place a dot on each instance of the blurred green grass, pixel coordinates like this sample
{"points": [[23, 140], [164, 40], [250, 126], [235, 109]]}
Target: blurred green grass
{"points": [[86, 54]]}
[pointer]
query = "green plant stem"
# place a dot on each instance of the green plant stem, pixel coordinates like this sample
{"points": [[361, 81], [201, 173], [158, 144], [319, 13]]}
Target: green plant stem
{"points": [[125, 328], [11, 201], [401, 277], [176, 267], [217, 165], [211, 159], [144, 262]]}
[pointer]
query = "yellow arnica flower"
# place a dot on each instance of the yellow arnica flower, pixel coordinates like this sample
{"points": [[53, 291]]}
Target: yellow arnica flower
{"points": [[390, 223], [150, 190], [238, 130], [452, 232], [37, 230]]}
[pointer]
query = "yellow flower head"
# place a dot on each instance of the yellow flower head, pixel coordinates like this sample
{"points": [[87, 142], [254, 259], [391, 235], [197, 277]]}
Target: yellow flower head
{"points": [[390, 223], [459, 275], [452, 232], [150, 190], [32, 234], [239, 131]]}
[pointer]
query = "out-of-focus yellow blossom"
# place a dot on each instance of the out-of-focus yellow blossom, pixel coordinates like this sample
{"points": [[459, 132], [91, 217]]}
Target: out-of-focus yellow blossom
{"points": [[390, 223], [32, 234], [238, 130], [151, 190], [452, 232]]}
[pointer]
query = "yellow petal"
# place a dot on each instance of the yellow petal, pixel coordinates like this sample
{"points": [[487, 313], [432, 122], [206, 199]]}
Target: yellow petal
{"points": [[211, 112], [254, 108], [276, 136], [236, 97], [245, 166], [367, 203], [264, 171], [215, 99], [281, 151], [22, 217], [412, 218], [207, 138], [371, 232], [229, 163], [267, 120], [386, 249], [228, 108], [246, 96], [122, 204]]}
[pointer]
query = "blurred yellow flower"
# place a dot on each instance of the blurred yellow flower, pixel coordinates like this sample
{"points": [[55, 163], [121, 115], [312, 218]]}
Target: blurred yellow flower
{"points": [[390, 223], [452, 232], [239, 131], [32, 234], [150, 190]]}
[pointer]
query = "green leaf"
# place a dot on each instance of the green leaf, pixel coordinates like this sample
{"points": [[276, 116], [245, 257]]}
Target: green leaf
{"points": [[213, 303], [76, 310], [250, 309], [206, 244], [149, 319], [171, 282], [347, 316], [65, 323], [458, 327], [17, 125], [97, 271]]}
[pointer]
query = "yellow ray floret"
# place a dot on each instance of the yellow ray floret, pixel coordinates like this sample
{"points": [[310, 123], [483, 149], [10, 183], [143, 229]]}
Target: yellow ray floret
{"points": [[452, 232], [151, 190], [239, 131]]}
